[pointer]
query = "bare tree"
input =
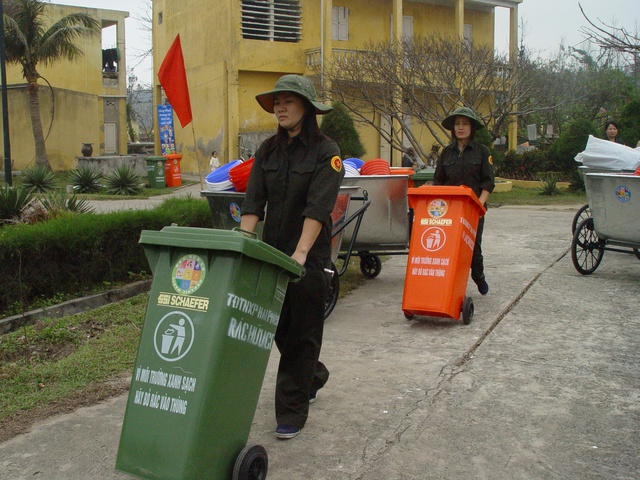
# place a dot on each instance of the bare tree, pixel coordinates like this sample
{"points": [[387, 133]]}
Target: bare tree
{"points": [[425, 79], [610, 37]]}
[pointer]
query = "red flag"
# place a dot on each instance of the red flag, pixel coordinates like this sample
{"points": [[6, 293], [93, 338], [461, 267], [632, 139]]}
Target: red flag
{"points": [[173, 79]]}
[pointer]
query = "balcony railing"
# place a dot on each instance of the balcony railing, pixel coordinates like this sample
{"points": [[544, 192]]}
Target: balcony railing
{"points": [[341, 56]]}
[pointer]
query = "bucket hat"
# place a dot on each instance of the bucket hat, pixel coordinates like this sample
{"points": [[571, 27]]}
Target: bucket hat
{"points": [[462, 112], [293, 83]]}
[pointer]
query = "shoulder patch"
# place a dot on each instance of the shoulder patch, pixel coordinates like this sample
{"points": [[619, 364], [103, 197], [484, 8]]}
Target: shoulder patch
{"points": [[490, 160], [336, 163]]}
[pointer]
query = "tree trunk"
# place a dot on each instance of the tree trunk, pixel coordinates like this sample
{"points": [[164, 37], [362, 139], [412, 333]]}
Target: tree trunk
{"points": [[36, 126]]}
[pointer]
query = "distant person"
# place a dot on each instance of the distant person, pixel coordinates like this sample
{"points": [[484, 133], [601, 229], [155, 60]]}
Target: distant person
{"points": [[409, 158], [214, 162], [611, 130], [467, 162]]}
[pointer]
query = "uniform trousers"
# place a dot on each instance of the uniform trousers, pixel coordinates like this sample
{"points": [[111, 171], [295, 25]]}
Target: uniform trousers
{"points": [[299, 340], [477, 261]]}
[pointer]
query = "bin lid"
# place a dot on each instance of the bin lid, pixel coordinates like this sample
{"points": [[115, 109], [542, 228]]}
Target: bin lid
{"points": [[443, 191], [227, 240], [424, 174], [154, 159]]}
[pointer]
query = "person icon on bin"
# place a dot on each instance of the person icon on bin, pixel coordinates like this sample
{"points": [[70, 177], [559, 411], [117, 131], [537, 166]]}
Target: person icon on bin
{"points": [[173, 338]]}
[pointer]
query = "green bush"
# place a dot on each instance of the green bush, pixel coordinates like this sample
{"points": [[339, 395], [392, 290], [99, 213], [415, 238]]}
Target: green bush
{"points": [[75, 254], [124, 181], [338, 125], [571, 141], [85, 179], [630, 123], [521, 166], [549, 181], [12, 202], [39, 179]]}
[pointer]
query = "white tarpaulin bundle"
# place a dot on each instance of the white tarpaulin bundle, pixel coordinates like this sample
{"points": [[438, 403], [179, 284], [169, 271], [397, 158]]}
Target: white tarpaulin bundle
{"points": [[611, 155]]}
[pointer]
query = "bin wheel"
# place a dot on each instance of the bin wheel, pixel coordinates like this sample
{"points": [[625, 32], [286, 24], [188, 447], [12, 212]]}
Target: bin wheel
{"points": [[467, 310], [409, 316], [251, 464], [582, 214], [637, 252], [333, 292], [370, 265], [586, 248]]}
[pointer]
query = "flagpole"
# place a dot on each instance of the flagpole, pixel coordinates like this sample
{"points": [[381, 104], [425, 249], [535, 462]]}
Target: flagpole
{"points": [[195, 146]]}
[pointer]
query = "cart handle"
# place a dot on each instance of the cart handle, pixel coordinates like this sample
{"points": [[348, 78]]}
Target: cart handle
{"points": [[246, 232]]}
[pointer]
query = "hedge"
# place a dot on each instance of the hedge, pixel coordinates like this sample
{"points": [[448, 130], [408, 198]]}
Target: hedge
{"points": [[75, 254]]}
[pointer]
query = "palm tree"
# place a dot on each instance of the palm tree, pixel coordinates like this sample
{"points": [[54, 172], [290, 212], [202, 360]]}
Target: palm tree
{"points": [[29, 44]]}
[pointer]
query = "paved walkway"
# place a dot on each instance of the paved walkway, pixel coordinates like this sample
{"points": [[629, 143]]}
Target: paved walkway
{"points": [[542, 385]]}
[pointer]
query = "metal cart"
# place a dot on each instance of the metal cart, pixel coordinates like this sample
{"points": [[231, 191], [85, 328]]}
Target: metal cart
{"points": [[614, 221], [387, 226], [584, 211]]}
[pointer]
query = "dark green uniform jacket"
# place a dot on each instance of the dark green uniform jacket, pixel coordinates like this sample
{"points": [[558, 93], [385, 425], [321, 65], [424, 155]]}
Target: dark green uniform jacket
{"points": [[472, 168], [295, 181]]}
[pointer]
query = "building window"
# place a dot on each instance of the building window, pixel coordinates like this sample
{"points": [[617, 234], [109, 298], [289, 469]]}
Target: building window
{"points": [[339, 23], [272, 20], [468, 33]]}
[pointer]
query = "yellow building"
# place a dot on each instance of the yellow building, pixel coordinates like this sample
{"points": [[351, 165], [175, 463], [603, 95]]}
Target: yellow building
{"points": [[235, 49], [86, 101]]}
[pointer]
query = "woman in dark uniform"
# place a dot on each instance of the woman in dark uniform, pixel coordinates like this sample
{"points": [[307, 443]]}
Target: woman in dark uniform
{"points": [[296, 175], [467, 162]]}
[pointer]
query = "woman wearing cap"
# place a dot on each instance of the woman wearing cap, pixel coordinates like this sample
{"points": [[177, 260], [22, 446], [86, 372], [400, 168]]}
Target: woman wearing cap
{"points": [[296, 175], [467, 162]]}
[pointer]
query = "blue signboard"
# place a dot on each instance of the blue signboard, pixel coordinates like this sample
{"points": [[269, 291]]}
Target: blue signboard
{"points": [[165, 125]]}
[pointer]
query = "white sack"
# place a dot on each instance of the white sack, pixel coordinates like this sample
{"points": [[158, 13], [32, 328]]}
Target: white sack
{"points": [[611, 155]]}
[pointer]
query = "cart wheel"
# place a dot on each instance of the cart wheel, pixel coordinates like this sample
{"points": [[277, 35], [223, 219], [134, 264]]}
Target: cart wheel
{"points": [[637, 252], [370, 265], [252, 464], [332, 293], [467, 310], [409, 316], [583, 213], [586, 248]]}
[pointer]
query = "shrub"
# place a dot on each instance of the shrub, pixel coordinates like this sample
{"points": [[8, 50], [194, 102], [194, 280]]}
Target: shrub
{"points": [[576, 182], [39, 179], [12, 203], [521, 166], [338, 125], [549, 181], [75, 254], [85, 179], [571, 141], [124, 181], [630, 123]]}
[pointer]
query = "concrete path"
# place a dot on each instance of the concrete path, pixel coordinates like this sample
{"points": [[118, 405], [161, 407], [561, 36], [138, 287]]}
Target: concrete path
{"points": [[543, 384]]}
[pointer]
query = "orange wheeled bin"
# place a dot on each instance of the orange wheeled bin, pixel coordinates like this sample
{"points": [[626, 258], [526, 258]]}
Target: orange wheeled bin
{"points": [[172, 172], [443, 233]]}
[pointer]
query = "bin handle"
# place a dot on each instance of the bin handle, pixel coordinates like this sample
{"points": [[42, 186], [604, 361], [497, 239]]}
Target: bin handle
{"points": [[246, 232]]}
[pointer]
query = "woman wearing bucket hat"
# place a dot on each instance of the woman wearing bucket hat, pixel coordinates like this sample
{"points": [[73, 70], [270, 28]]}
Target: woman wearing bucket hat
{"points": [[296, 175], [467, 162]]}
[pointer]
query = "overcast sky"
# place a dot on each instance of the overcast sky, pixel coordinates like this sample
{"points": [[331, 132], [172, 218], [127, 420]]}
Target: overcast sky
{"points": [[547, 23], [544, 23]]}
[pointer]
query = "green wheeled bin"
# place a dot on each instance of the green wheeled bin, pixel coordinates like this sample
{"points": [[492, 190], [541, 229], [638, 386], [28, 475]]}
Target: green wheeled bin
{"points": [[423, 177], [213, 309], [155, 172]]}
